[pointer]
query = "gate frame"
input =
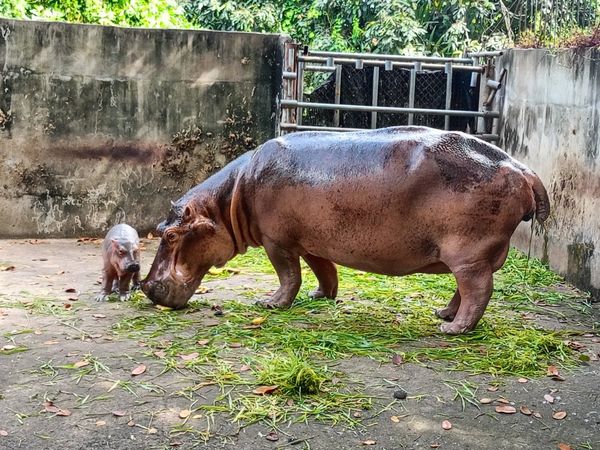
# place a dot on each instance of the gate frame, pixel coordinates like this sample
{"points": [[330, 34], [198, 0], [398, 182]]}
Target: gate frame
{"points": [[480, 64]]}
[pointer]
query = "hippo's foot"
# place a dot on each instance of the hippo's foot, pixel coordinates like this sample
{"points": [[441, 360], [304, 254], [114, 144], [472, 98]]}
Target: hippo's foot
{"points": [[445, 314], [455, 328], [102, 297], [318, 293], [124, 297], [136, 286], [275, 302]]}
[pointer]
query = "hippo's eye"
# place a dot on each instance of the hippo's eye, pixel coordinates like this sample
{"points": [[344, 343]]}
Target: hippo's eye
{"points": [[170, 236]]}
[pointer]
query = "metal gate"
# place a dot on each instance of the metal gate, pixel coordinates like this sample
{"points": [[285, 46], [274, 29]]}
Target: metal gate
{"points": [[361, 91]]}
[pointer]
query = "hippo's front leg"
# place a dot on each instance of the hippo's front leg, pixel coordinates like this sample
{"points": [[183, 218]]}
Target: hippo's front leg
{"points": [[287, 266], [326, 274], [124, 286]]}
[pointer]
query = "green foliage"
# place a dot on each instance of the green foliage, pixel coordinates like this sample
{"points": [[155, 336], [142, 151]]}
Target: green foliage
{"points": [[444, 27]]}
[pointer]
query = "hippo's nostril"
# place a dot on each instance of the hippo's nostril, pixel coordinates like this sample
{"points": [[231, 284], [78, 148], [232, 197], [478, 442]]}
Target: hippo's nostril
{"points": [[133, 268]]}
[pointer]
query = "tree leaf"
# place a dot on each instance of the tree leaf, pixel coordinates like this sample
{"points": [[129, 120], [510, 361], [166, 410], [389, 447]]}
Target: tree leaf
{"points": [[203, 342], [190, 356], [485, 400], [63, 412], [506, 409], [552, 371], [549, 398], [563, 446], [446, 425], [118, 413], [525, 410], [395, 419], [138, 370], [264, 390], [397, 360], [272, 436], [559, 415], [81, 363]]}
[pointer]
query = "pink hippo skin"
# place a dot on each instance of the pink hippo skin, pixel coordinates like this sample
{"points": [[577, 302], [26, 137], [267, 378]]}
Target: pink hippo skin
{"points": [[121, 257], [393, 201]]}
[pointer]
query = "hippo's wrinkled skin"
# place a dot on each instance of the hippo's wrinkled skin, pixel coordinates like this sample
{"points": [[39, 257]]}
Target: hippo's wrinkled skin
{"points": [[392, 201], [121, 258]]}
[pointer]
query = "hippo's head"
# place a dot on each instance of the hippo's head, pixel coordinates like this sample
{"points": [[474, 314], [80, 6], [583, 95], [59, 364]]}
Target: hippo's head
{"points": [[191, 243]]}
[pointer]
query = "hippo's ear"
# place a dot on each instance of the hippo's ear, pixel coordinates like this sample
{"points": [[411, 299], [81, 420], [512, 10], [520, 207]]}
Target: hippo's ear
{"points": [[203, 225], [187, 214]]}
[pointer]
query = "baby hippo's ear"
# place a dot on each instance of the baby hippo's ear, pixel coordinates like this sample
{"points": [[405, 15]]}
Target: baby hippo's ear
{"points": [[115, 244]]}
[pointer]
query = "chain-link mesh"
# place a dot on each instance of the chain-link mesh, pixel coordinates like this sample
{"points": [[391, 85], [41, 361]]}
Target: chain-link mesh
{"points": [[393, 90]]}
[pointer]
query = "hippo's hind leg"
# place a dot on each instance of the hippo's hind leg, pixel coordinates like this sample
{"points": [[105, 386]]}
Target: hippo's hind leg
{"points": [[326, 274], [287, 266], [449, 312], [475, 286]]}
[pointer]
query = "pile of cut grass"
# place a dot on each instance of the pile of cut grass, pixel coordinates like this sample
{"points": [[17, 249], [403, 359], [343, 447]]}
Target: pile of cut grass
{"points": [[376, 317]]}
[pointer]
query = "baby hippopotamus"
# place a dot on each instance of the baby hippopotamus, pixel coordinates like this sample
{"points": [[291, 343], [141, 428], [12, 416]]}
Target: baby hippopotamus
{"points": [[121, 256]]}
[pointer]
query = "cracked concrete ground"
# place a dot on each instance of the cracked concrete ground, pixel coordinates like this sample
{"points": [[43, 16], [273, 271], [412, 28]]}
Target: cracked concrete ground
{"points": [[105, 415]]}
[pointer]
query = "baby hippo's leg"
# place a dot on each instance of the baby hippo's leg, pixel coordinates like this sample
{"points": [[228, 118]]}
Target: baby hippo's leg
{"points": [[109, 277], [124, 286]]}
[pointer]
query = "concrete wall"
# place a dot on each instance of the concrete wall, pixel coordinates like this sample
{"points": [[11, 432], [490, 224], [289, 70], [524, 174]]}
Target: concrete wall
{"points": [[551, 122], [102, 124]]}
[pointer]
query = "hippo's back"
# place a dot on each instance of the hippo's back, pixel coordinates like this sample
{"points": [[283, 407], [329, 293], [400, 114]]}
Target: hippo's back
{"points": [[123, 233], [403, 153]]}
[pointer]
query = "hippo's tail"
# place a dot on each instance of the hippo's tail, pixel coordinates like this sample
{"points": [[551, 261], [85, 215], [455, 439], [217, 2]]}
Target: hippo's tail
{"points": [[542, 202]]}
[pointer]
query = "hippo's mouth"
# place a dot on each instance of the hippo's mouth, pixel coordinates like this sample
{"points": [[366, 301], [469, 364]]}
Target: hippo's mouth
{"points": [[170, 292]]}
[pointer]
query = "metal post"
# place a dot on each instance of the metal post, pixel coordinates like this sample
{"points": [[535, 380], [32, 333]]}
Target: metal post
{"points": [[480, 126], [300, 91], [411, 90], [338, 93], [448, 70], [375, 95]]}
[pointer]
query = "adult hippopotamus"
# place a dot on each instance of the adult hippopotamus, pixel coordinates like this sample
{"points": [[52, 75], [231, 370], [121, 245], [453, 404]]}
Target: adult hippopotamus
{"points": [[392, 201]]}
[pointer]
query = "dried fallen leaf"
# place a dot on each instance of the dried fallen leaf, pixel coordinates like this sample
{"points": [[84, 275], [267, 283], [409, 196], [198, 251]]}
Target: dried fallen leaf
{"points": [[272, 436], [163, 308], [197, 416], [202, 290], [184, 413], [63, 412], [50, 343], [3, 433], [446, 425], [563, 446], [131, 423], [485, 401], [549, 398], [100, 423], [235, 345], [7, 268], [118, 413], [70, 290], [522, 380], [492, 388], [9, 347], [203, 342], [263, 390], [505, 409], [258, 320], [395, 419], [152, 430], [397, 360], [537, 414], [356, 414], [189, 356], [525, 410], [138, 370], [552, 371], [160, 354], [369, 442], [51, 408], [81, 363], [434, 445], [244, 368], [98, 316], [559, 415], [150, 236], [502, 400]]}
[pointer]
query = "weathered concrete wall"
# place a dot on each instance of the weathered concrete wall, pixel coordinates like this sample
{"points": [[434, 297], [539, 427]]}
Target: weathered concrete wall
{"points": [[551, 122], [102, 124]]}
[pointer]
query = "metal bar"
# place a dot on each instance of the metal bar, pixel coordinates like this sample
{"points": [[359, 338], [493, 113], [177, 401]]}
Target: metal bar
{"points": [[411, 92], [293, 126], [484, 54], [388, 109], [300, 91], [338, 94], [448, 94], [375, 96], [389, 57], [392, 65], [313, 68], [289, 75]]}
